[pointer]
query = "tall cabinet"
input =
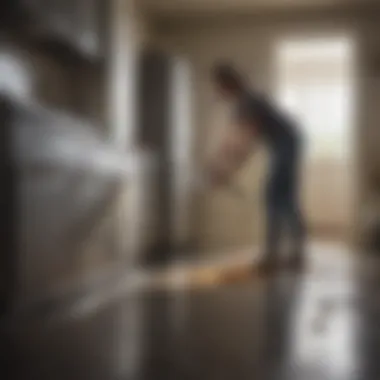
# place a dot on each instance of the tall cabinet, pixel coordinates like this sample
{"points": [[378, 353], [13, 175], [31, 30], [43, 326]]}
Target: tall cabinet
{"points": [[164, 127]]}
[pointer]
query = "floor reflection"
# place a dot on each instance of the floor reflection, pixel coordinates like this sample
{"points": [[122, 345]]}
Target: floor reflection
{"points": [[324, 337], [320, 325]]}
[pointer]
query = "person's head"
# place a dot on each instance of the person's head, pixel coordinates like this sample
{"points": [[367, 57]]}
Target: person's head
{"points": [[227, 80]]}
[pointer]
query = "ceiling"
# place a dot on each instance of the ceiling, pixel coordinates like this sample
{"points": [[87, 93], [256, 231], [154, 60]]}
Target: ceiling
{"points": [[166, 7]]}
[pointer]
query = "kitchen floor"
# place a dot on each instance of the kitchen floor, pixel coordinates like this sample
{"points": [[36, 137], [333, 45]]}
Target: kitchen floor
{"points": [[322, 324]]}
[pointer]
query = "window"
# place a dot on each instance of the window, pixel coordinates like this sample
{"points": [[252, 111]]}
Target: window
{"points": [[315, 87]]}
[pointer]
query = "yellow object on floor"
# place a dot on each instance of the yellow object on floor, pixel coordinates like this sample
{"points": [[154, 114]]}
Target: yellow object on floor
{"points": [[206, 276]]}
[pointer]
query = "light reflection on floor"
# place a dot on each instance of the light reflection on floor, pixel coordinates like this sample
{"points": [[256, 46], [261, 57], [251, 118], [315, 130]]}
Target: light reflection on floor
{"points": [[324, 337], [313, 326]]}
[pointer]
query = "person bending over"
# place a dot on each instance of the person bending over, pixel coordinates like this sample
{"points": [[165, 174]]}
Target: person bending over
{"points": [[256, 118]]}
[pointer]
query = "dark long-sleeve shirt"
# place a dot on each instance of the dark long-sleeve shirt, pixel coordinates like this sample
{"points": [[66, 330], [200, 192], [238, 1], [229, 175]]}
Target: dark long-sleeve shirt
{"points": [[273, 126]]}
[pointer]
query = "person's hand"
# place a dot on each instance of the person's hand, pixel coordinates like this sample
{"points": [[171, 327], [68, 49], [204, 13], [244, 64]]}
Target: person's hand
{"points": [[217, 176]]}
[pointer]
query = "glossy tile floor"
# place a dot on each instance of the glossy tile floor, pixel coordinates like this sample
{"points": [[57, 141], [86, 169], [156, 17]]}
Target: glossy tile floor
{"points": [[323, 324]]}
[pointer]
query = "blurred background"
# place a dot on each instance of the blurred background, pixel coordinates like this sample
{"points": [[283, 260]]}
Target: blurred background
{"points": [[113, 260]]}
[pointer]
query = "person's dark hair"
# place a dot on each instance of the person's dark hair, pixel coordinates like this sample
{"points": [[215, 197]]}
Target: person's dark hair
{"points": [[227, 76]]}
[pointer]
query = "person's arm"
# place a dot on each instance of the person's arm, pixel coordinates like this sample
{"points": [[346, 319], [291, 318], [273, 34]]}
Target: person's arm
{"points": [[233, 153], [242, 148]]}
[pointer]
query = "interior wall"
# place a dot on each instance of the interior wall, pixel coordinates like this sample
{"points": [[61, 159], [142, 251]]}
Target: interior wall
{"points": [[220, 220]]}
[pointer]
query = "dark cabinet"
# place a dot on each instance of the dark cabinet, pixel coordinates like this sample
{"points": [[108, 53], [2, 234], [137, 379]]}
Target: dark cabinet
{"points": [[154, 132], [164, 125]]}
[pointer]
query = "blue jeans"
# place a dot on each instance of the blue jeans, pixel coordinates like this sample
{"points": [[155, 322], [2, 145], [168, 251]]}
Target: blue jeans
{"points": [[282, 200]]}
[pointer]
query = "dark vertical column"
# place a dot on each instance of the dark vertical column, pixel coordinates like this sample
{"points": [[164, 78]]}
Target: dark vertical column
{"points": [[154, 132], [8, 252]]}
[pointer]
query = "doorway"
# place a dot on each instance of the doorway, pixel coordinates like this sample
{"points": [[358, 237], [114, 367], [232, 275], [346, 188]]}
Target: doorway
{"points": [[315, 84]]}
